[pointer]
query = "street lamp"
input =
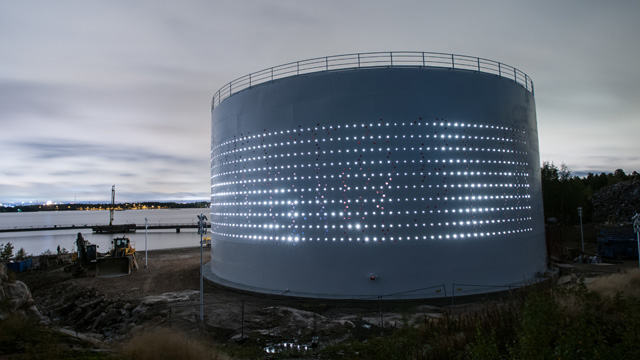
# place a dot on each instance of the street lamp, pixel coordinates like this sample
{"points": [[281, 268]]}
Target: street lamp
{"points": [[581, 233], [146, 229], [202, 225], [636, 229]]}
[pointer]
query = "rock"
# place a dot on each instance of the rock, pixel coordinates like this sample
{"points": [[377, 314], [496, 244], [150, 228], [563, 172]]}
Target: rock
{"points": [[239, 337], [287, 321], [3, 273], [17, 296], [170, 297]]}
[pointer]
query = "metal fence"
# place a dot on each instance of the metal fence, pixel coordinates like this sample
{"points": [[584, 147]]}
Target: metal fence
{"points": [[296, 325], [240, 306], [390, 59]]}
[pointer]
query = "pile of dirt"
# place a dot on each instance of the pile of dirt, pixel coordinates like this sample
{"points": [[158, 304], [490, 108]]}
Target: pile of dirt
{"points": [[621, 200]]}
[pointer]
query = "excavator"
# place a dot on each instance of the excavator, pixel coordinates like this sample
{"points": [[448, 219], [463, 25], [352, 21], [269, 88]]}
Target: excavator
{"points": [[116, 262], [83, 259]]}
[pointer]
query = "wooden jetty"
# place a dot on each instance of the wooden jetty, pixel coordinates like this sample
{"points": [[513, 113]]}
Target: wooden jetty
{"points": [[106, 228], [114, 228]]}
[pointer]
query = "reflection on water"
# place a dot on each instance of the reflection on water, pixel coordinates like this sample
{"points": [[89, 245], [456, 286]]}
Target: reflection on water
{"points": [[37, 242]]}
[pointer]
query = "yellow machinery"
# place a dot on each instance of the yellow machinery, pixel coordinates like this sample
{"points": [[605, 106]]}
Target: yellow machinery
{"points": [[119, 260]]}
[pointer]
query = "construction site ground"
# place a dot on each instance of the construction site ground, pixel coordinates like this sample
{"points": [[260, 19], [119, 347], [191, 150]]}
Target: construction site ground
{"points": [[166, 294], [107, 311]]}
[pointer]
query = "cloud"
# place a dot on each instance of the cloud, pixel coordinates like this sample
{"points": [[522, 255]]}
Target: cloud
{"points": [[19, 99], [46, 149], [96, 93]]}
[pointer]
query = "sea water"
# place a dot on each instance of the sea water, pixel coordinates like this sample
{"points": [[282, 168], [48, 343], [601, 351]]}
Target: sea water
{"points": [[38, 242]]}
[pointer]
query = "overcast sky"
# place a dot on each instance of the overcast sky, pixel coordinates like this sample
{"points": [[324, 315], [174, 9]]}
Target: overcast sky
{"points": [[95, 93]]}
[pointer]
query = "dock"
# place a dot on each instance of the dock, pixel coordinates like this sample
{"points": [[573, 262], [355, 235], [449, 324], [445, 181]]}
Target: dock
{"points": [[111, 229]]}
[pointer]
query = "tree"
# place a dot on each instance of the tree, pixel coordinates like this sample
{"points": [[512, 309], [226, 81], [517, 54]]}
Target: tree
{"points": [[6, 251], [565, 173], [619, 176], [21, 254], [563, 193], [549, 172], [550, 190]]}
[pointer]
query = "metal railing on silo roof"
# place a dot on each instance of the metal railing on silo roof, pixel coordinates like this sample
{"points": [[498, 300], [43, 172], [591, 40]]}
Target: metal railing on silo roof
{"points": [[373, 60]]}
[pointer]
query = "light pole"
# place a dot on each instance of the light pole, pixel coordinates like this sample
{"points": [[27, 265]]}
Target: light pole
{"points": [[146, 228], [581, 233], [202, 225], [636, 229]]}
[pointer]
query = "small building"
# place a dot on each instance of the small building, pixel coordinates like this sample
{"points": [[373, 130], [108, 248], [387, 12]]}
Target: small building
{"points": [[617, 242]]}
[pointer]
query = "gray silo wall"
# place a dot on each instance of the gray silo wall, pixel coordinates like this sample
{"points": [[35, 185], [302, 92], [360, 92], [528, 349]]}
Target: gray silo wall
{"points": [[426, 179]]}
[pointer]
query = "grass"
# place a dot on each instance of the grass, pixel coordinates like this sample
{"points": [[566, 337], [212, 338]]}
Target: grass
{"points": [[540, 323], [628, 283], [164, 343]]}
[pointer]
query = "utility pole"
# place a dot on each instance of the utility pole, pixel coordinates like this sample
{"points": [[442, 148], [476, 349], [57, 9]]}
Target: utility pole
{"points": [[113, 202], [636, 229], [581, 233], [202, 226], [146, 228]]}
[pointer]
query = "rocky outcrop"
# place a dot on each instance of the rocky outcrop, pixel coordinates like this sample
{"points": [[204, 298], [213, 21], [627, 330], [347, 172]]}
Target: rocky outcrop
{"points": [[621, 201], [90, 312], [15, 297]]}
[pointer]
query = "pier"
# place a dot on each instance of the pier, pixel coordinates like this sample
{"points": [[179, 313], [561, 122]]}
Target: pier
{"points": [[105, 228]]}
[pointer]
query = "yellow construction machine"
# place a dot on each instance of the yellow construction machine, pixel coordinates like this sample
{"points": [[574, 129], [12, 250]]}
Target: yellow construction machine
{"points": [[117, 261], [120, 260]]}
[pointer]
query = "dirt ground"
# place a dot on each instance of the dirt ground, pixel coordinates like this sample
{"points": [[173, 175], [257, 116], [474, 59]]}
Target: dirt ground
{"points": [[165, 294], [177, 270], [167, 271]]}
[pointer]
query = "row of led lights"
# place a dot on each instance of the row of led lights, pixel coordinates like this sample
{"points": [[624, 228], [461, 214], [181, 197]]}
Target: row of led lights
{"points": [[348, 201], [343, 189], [296, 238], [369, 137], [295, 214], [386, 179], [371, 125], [462, 162], [342, 202], [363, 150], [397, 174], [359, 226], [381, 187]]}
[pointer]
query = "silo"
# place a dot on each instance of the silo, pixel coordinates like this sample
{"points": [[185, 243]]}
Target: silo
{"points": [[376, 175]]}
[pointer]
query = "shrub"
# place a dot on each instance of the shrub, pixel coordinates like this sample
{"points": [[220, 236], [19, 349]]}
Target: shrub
{"points": [[164, 343]]}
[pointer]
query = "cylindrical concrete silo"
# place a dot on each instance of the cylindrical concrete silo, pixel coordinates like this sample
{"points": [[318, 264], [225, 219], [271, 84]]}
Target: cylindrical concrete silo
{"points": [[401, 175]]}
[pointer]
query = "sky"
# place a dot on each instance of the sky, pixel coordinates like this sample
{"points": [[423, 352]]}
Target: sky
{"points": [[96, 93]]}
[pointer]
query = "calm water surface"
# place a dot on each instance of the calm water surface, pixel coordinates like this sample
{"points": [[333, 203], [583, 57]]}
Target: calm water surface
{"points": [[37, 242]]}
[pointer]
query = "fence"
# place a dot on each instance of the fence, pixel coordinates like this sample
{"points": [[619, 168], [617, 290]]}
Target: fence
{"points": [[288, 318], [370, 60]]}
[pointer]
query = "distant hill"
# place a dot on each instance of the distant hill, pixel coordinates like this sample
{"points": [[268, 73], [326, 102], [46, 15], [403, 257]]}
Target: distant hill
{"points": [[107, 206]]}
